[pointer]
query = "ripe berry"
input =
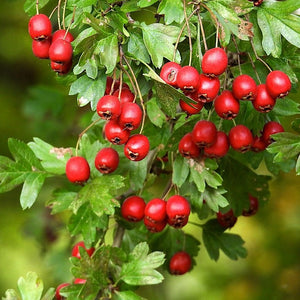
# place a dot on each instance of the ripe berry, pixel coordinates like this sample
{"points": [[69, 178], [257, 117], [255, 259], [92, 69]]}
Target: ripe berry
{"points": [[214, 62], [244, 88], [208, 88], [188, 79], [178, 211], [133, 208], [77, 169], [270, 128], [219, 148], [191, 108], [204, 133], [278, 84], [75, 250], [263, 102], [61, 34], [125, 96], [39, 27], [58, 296], [61, 51], [115, 133], [155, 210], [226, 106], [180, 263], [61, 69], [112, 86], [155, 226], [107, 160], [108, 107], [226, 220], [258, 144], [240, 138], [253, 207], [169, 72], [137, 147], [79, 281], [41, 48], [131, 116], [187, 148]]}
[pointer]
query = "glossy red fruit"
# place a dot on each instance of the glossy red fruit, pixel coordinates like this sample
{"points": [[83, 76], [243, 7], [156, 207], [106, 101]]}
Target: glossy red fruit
{"points": [[155, 226], [79, 281], [208, 88], [219, 148], [137, 147], [155, 210], [258, 144], [107, 160], [108, 107], [58, 296], [214, 62], [278, 84], [188, 79], [227, 219], [41, 48], [263, 102], [133, 208], [187, 148], [226, 106], [204, 133], [180, 263], [63, 35], [39, 27], [240, 138], [125, 96], [131, 116], [75, 250], [190, 108], [270, 128], [77, 169], [253, 207], [115, 133], [169, 72], [244, 88], [61, 51], [61, 69], [112, 86], [178, 211]]}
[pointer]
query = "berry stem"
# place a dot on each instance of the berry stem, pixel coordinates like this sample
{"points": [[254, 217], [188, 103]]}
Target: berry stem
{"points": [[64, 14], [130, 79], [254, 68], [202, 31], [37, 7], [189, 33], [72, 21], [257, 57], [58, 14], [239, 53]]}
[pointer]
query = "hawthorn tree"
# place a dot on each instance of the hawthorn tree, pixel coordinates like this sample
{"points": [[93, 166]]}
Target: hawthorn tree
{"points": [[189, 99]]}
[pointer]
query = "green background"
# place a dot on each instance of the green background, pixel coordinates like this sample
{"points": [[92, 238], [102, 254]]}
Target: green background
{"points": [[34, 104]]}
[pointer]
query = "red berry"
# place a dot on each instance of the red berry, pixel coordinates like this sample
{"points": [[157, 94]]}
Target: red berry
{"points": [[79, 281], [77, 169], [226, 220], [244, 88], [61, 34], [204, 133], [187, 148], [178, 211], [39, 27], [226, 106], [278, 84], [125, 96], [180, 263], [41, 48], [208, 88], [263, 102], [191, 108], [240, 138], [75, 250], [133, 208], [253, 207], [61, 69], [270, 128], [219, 148], [188, 79], [61, 51], [107, 160], [214, 62], [137, 147], [58, 296], [109, 107], [155, 210], [115, 133], [155, 226], [131, 116], [112, 86], [169, 72], [258, 144]]}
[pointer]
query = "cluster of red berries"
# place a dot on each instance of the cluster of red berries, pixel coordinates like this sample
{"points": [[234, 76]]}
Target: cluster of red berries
{"points": [[75, 253], [45, 45], [157, 213]]}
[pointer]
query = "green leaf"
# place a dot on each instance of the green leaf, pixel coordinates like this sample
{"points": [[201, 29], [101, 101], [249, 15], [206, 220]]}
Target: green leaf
{"points": [[137, 173], [127, 295], [136, 47], [154, 113], [214, 198], [81, 3], [181, 170], [11, 294], [298, 166], [172, 11], [286, 107], [31, 287], [62, 200], [30, 6], [146, 3], [215, 240], [49, 294], [140, 268]]}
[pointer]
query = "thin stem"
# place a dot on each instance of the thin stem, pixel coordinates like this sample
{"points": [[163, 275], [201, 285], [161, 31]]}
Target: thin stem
{"points": [[254, 68], [189, 33], [118, 236], [167, 189], [217, 35], [233, 121], [72, 20], [239, 53], [64, 15], [58, 14], [130, 79], [259, 58], [37, 7], [202, 31], [53, 11]]}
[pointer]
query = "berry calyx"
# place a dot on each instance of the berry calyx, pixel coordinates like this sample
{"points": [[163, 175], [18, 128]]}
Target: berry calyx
{"points": [[204, 133], [131, 116], [75, 250], [253, 207], [155, 226], [180, 263], [116, 134], [188, 79], [227, 219], [107, 160], [244, 88], [137, 147], [214, 62], [61, 51], [240, 138], [58, 296], [108, 107], [169, 72], [208, 88], [263, 102], [187, 148], [77, 169], [278, 84], [155, 210], [132, 208], [219, 148], [39, 27], [226, 106], [178, 211], [270, 128]]}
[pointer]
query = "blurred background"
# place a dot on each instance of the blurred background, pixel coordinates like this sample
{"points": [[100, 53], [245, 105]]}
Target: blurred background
{"points": [[34, 104]]}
